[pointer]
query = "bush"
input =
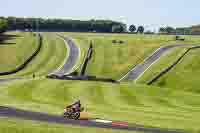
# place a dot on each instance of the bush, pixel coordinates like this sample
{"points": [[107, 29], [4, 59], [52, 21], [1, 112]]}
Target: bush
{"points": [[114, 41], [118, 41], [121, 42]]}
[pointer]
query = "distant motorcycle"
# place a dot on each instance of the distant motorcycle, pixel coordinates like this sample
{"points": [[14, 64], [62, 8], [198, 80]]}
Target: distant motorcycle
{"points": [[73, 111]]}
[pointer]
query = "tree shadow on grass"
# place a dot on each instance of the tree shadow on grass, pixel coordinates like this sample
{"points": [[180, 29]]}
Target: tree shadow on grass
{"points": [[6, 37], [3, 43]]}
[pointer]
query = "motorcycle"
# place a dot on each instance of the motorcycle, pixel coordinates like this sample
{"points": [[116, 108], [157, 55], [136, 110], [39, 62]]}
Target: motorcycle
{"points": [[73, 111]]}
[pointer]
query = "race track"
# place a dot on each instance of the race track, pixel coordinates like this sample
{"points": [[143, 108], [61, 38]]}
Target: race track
{"points": [[139, 69], [69, 62], [71, 59], [10, 79], [166, 70], [43, 117], [98, 123]]}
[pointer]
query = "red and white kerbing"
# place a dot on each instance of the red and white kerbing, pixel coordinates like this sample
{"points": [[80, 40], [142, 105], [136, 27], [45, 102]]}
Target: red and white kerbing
{"points": [[111, 122]]}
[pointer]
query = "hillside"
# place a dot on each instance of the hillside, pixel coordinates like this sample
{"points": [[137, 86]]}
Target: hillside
{"points": [[185, 75], [113, 60], [51, 56], [164, 105], [150, 106], [165, 60], [15, 49]]}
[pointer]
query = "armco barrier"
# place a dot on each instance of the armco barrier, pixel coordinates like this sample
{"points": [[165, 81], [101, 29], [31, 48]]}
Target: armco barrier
{"points": [[81, 78], [22, 66], [162, 73], [88, 56]]}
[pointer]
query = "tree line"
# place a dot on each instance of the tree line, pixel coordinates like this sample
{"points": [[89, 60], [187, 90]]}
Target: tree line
{"points": [[193, 30], [67, 25], [14, 23], [134, 29]]}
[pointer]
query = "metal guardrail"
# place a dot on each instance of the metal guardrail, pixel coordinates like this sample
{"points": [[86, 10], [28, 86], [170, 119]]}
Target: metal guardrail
{"points": [[22, 66], [162, 73], [86, 59]]}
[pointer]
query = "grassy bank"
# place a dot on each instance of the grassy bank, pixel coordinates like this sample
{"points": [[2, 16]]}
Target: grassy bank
{"points": [[51, 57], [16, 50], [173, 102], [165, 60], [185, 75], [150, 106], [113, 60]]}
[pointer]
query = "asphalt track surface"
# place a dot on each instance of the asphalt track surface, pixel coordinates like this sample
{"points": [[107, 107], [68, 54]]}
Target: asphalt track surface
{"points": [[68, 64], [38, 116], [166, 70], [71, 59], [43, 117], [10, 79], [139, 69]]}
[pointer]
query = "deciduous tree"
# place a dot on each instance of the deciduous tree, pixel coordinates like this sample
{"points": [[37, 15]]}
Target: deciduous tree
{"points": [[140, 29], [132, 28]]}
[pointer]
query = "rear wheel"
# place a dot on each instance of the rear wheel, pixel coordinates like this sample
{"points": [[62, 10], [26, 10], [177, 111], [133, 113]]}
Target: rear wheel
{"points": [[67, 115]]}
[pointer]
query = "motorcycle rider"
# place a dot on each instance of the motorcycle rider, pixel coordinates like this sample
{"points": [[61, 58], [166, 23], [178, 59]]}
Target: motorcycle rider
{"points": [[73, 111], [75, 107]]}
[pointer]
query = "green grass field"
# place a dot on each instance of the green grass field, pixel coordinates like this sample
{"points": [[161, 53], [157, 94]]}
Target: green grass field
{"points": [[150, 106], [185, 75], [13, 55], [165, 60], [51, 57], [182, 76], [115, 60], [173, 102]]}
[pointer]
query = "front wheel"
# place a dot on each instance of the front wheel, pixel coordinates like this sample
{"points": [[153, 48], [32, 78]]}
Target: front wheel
{"points": [[75, 116]]}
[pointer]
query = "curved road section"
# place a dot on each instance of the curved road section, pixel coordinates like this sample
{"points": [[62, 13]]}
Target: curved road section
{"points": [[71, 58], [166, 70], [69, 63], [139, 69]]}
